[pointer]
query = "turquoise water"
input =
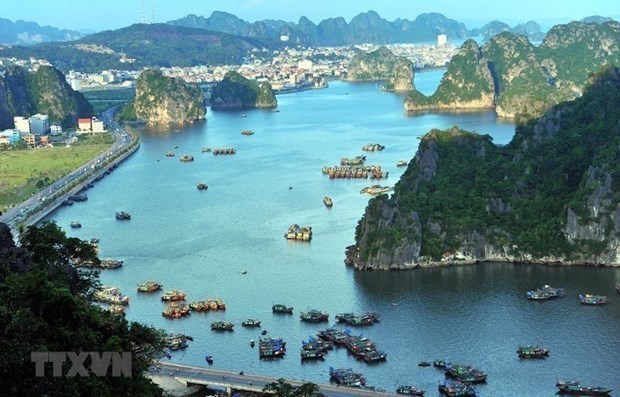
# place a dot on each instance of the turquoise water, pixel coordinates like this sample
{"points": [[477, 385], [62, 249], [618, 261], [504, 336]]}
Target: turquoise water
{"points": [[202, 241]]}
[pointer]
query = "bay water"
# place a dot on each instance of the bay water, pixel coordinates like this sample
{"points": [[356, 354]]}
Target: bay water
{"points": [[204, 241]]}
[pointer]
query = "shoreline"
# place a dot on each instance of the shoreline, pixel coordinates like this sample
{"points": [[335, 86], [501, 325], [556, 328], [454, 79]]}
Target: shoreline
{"points": [[472, 262]]}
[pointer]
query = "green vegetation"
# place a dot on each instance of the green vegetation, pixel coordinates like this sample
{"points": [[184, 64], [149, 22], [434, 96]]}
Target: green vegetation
{"points": [[45, 307], [44, 91], [24, 172], [102, 99], [149, 44], [382, 64], [163, 100], [525, 80], [515, 197], [237, 92], [283, 389]]}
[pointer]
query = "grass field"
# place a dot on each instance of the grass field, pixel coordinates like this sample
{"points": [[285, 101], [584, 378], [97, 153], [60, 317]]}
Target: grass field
{"points": [[24, 172]]}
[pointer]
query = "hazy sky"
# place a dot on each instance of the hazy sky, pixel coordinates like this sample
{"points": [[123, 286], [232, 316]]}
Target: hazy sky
{"points": [[112, 14]]}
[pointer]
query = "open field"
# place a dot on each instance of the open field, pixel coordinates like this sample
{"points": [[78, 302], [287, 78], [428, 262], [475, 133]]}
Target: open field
{"points": [[24, 172]]}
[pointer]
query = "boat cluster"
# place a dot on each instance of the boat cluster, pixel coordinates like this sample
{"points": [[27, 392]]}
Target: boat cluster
{"points": [[356, 320], [355, 172], [231, 150], [208, 305], [111, 295], [296, 232], [362, 348], [547, 292], [271, 347]]}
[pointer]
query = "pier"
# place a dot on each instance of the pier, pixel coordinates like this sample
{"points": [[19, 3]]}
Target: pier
{"points": [[229, 381]]}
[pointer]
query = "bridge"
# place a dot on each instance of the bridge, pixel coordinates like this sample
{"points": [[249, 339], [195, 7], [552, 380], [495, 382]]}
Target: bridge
{"points": [[230, 381]]}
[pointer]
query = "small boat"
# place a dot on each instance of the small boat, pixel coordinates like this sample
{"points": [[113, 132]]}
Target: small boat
{"points": [[186, 158], [251, 322], [75, 225], [439, 363], [247, 132], [279, 308], [149, 286], [205, 150], [176, 342], [209, 359], [176, 146], [202, 186], [424, 364], [312, 354], [456, 389], [410, 391], [314, 316], [545, 293], [222, 326], [244, 115], [618, 287], [532, 351], [173, 295], [123, 216], [94, 241], [79, 197], [328, 201], [401, 163], [252, 343], [110, 263], [594, 300], [575, 387], [465, 373], [169, 154]]}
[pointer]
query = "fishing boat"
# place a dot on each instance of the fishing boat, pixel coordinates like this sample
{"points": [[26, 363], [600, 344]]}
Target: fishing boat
{"points": [[465, 373], [401, 163], [456, 389], [593, 300], [176, 310], [110, 295], [439, 363], [175, 342], [202, 186], [357, 320], [247, 132], [279, 308], [173, 295], [169, 154], [209, 359], [123, 216], [545, 293], [312, 354], [205, 150], [346, 377], [110, 263], [149, 286], [75, 225], [409, 391], [532, 351], [373, 147], [271, 347], [328, 201], [314, 316], [186, 158], [222, 326], [375, 190], [251, 322], [575, 387], [296, 232]]}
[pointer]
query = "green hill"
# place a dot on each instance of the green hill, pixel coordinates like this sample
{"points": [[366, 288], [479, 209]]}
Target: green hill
{"points": [[552, 195], [237, 92], [525, 80]]}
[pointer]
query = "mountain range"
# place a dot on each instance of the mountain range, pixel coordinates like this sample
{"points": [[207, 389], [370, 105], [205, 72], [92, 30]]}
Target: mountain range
{"points": [[27, 33]]}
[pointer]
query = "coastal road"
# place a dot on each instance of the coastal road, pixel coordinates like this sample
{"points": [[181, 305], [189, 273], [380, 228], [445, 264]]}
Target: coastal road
{"points": [[226, 379], [121, 140]]}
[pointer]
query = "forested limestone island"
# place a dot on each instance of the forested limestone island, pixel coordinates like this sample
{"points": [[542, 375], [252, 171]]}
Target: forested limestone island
{"points": [[236, 92], [552, 195], [164, 100], [518, 79], [382, 64], [45, 91]]}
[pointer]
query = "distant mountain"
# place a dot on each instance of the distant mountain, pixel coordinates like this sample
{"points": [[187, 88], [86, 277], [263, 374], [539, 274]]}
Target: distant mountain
{"points": [[531, 30], [28, 33], [366, 27], [149, 45], [597, 19]]}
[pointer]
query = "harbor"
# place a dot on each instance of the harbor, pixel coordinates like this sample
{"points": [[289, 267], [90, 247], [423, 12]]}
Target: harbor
{"points": [[202, 243]]}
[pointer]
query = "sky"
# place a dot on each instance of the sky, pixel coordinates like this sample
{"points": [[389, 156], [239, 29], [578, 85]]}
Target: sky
{"points": [[98, 15]]}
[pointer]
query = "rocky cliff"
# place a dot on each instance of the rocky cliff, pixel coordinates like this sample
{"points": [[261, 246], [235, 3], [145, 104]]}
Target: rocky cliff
{"points": [[551, 196], [164, 100], [382, 64], [237, 92], [44, 91], [521, 80]]}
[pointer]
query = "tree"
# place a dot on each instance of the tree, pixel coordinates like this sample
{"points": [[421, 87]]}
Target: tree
{"points": [[44, 307], [281, 388]]}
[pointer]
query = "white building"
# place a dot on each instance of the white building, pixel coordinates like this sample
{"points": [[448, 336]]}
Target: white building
{"points": [[55, 129], [442, 39], [97, 125], [39, 124], [21, 124], [305, 64]]}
